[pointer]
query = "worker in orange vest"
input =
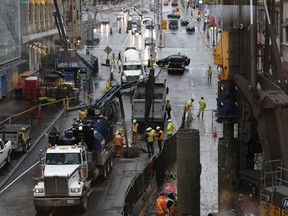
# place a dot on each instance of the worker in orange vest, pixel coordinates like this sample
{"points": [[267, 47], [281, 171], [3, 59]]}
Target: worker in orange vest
{"points": [[118, 142], [161, 204], [159, 137]]}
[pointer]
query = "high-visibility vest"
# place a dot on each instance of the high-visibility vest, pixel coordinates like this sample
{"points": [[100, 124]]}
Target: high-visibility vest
{"points": [[168, 106], [154, 134], [170, 128], [160, 135], [161, 205], [118, 139], [209, 71], [188, 104], [150, 137], [134, 127], [21, 136], [202, 104]]}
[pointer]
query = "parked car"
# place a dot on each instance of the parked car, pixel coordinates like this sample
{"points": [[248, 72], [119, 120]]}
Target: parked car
{"points": [[164, 62], [146, 18], [190, 29], [166, 2], [149, 41], [149, 25], [184, 22], [174, 3], [120, 16], [105, 21], [173, 16]]}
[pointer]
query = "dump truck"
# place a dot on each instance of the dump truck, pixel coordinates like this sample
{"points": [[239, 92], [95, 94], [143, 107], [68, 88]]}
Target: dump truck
{"points": [[72, 162], [11, 132], [158, 105]]}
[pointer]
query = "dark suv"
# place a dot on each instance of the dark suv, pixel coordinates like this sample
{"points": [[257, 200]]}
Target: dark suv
{"points": [[164, 62], [177, 64]]}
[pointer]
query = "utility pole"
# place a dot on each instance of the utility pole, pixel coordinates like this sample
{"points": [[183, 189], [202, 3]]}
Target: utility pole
{"points": [[161, 35]]}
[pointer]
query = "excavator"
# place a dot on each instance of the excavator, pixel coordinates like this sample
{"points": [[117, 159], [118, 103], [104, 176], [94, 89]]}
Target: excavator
{"points": [[252, 107]]}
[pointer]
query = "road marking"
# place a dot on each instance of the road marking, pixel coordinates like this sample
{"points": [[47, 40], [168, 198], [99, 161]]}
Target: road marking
{"points": [[18, 177]]}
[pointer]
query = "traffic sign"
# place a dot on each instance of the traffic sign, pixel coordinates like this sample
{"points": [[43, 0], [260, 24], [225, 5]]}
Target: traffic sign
{"points": [[107, 49], [164, 24]]}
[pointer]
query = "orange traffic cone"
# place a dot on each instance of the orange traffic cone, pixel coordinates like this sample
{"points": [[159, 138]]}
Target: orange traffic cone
{"points": [[214, 132]]}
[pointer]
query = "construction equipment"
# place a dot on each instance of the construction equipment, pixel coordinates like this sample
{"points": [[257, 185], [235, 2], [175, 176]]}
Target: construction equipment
{"points": [[252, 93]]}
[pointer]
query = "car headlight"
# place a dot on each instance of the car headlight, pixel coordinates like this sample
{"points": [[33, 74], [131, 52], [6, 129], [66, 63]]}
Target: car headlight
{"points": [[39, 190], [75, 190]]}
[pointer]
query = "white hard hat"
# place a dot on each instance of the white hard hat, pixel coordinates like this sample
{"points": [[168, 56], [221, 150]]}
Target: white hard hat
{"points": [[149, 129], [134, 121], [169, 120], [157, 128]]}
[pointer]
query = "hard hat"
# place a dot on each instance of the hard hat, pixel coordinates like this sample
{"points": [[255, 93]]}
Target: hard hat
{"points": [[202, 97], [169, 120], [192, 99], [161, 193], [157, 128], [134, 121], [23, 129], [120, 130], [149, 129]]}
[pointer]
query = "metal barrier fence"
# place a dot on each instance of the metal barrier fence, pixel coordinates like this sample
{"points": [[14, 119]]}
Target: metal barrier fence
{"points": [[156, 165]]}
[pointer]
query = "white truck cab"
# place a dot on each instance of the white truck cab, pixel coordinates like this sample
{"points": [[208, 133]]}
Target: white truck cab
{"points": [[132, 69]]}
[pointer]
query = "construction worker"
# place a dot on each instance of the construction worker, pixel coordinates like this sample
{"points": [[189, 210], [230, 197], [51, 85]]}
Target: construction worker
{"points": [[21, 137], [209, 72], [118, 143], [202, 106], [134, 130], [171, 204], [168, 109], [149, 138], [153, 131], [188, 104], [120, 130], [159, 137], [161, 204], [170, 128]]}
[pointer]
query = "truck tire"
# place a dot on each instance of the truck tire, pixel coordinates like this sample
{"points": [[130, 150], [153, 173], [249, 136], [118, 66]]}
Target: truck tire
{"points": [[28, 143], [161, 64], [8, 159], [83, 202]]}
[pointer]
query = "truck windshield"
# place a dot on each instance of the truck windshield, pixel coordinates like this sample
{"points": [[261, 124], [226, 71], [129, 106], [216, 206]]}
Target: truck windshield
{"points": [[132, 67], [62, 158]]}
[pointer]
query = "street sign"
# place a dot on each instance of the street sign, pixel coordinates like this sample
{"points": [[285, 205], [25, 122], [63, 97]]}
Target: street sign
{"points": [[107, 50]]}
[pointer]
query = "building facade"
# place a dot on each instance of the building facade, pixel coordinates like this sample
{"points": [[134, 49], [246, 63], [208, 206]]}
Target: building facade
{"points": [[10, 45]]}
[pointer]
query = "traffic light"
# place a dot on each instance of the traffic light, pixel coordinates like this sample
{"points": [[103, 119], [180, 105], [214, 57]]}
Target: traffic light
{"points": [[199, 13], [164, 24], [177, 10]]}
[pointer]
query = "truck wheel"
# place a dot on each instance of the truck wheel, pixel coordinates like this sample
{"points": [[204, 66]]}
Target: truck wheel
{"points": [[8, 159], [28, 144], [111, 163], [161, 64], [83, 202]]}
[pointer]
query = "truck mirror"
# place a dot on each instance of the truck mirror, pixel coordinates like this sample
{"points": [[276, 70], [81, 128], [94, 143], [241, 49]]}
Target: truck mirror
{"points": [[167, 90]]}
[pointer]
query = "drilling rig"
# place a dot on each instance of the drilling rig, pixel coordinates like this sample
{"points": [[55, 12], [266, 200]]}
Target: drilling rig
{"points": [[252, 107]]}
